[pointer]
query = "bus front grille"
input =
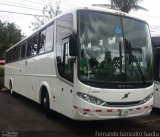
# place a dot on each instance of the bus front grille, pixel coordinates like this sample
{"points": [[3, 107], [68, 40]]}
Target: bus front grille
{"points": [[122, 104]]}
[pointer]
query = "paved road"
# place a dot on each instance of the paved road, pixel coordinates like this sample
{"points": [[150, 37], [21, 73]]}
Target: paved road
{"points": [[22, 117]]}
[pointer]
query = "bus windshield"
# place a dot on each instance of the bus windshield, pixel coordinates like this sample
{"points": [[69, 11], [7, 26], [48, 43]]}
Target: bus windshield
{"points": [[113, 49]]}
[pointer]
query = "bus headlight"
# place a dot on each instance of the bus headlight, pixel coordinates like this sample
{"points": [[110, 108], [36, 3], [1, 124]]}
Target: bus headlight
{"points": [[91, 99], [147, 98]]}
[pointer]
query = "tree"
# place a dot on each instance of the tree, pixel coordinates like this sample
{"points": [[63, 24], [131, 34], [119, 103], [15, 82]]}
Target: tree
{"points": [[49, 11], [10, 34], [128, 5], [123, 5]]}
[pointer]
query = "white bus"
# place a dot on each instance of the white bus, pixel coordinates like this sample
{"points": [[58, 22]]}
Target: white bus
{"points": [[87, 64], [156, 53]]}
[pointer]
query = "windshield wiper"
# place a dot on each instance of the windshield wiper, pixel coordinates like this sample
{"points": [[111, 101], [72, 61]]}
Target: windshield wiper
{"points": [[134, 59]]}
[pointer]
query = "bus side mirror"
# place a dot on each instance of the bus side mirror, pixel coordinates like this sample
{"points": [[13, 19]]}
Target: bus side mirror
{"points": [[73, 45]]}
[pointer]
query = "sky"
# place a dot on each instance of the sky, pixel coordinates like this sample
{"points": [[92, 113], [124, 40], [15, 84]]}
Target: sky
{"points": [[35, 7]]}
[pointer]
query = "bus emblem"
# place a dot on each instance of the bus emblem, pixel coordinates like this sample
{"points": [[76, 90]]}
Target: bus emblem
{"points": [[126, 95]]}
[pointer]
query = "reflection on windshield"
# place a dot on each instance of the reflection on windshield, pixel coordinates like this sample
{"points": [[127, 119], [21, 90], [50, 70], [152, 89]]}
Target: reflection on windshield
{"points": [[133, 58], [105, 55]]}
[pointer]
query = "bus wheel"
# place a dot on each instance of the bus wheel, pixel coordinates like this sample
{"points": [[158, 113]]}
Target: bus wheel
{"points": [[11, 89], [46, 105]]}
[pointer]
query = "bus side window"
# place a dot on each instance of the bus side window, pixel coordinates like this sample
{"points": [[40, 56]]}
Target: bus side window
{"points": [[64, 26], [23, 50], [59, 64], [49, 38], [19, 52], [10, 56], [6, 57], [67, 63], [14, 53], [42, 41], [46, 39], [29, 47], [34, 45]]}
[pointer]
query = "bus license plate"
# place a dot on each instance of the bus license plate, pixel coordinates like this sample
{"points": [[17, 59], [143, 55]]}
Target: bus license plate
{"points": [[124, 112]]}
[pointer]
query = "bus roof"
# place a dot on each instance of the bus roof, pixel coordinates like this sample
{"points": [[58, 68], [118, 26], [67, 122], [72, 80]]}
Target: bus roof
{"points": [[90, 8]]}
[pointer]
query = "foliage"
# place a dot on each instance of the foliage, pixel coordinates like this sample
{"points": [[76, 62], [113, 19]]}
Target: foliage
{"points": [[49, 11], [123, 5], [128, 5], [9, 35]]}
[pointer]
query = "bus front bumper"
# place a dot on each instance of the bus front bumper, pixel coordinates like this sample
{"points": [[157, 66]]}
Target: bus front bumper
{"points": [[83, 110]]}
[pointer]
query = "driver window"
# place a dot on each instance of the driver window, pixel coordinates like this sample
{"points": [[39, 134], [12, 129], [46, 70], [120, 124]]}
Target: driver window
{"points": [[67, 63], [64, 27]]}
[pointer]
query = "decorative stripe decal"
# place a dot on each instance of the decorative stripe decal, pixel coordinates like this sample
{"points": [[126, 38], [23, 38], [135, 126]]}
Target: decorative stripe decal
{"points": [[86, 110], [98, 110], [109, 110]]}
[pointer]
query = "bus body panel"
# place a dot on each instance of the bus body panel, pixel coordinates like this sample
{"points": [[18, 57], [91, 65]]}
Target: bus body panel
{"points": [[29, 78], [29, 75]]}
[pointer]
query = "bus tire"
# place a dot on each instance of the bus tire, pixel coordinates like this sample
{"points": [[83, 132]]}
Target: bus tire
{"points": [[46, 105], [11, 89]]}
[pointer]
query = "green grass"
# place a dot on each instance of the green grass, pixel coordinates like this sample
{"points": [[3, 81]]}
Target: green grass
{"points": [[1, 76]]}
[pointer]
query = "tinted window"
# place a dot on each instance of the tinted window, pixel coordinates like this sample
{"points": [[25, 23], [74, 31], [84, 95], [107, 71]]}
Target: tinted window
{"points": [[156, 53], [42, 41], [29, 47], [7, 55], [34, 45], [113, 49], [46, 39], [23, 50], [18, 52], [156, 64], [10, 55], [49, 38], [64, 61], [14, 53]]}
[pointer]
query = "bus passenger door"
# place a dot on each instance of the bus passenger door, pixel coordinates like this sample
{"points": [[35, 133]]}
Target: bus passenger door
{"points": [[67, 74]]}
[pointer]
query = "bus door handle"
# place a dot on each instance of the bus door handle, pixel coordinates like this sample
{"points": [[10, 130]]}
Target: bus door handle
{"points": [[26, 62]]}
